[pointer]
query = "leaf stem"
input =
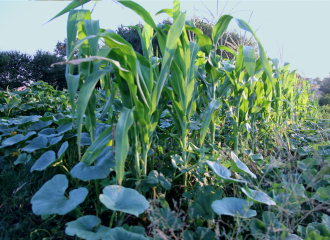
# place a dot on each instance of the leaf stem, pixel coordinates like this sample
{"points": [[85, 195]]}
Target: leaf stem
{"points": [[97, 190], [112, 217]]}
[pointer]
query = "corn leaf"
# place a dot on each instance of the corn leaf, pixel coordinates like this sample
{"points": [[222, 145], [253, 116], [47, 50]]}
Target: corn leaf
{"points": [[213, 105], [220, 27], [125, 122]]}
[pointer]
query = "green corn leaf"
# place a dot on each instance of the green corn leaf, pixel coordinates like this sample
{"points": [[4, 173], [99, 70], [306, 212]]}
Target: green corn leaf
{"points": [[124, 123], [213, 105], [90, 59], [203, 41], [225, 48], [92, 28], [176, 10], [140, 11], [84, 96], [171, 45], [220, 27], [72, 83], [75, 16], [263, 58], [72, 5], [94, 150], [169, 12], [249, 59]]}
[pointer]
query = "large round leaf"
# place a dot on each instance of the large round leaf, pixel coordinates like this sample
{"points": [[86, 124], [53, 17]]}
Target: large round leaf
{"points": [[16, 139], [233, 207], [84, 227], [119, 233], [201, 207], [50, 198], [37, 143], [258, 196], [44, 161], [100, 170], [238, 166], [222, 171], [124, 199]]}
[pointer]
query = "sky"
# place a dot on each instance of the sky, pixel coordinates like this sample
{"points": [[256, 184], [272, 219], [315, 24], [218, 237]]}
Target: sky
{"points": [[291, 31]]}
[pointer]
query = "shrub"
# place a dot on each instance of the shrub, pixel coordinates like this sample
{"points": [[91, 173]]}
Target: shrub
{"points": [[14, 69], [324, 100]]}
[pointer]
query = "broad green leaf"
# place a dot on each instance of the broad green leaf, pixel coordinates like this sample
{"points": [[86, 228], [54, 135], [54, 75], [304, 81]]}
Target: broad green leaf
{"points": [[220, 27], [201, 207], [119, 198], [221, 171], [239, 167], [169, 220], [233, 207], [72, 5], [27, 119], [44, 161], [16, 139], [166, 184], [249, 59], [205, 233], [153, 177], [50, 198], [100, 170], [322, 194], [213, 105], [62, 149], [96, 148], [326, 221], [87, 227], [119, 233], [258, 196], [125, 122], [23, 158], [39, 125], [36, 143]]}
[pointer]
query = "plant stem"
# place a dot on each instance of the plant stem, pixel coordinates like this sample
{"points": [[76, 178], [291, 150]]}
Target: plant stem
{"points": [[97, 191], [112, 217], [79, 212]]}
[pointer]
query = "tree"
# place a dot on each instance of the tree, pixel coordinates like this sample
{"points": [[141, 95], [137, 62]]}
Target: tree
{"points": [[325, 85], [41, 69], [60, 49], [14, 69]]}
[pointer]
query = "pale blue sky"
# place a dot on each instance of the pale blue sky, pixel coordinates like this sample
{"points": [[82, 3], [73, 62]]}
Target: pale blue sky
{"points": [[292, 31]]}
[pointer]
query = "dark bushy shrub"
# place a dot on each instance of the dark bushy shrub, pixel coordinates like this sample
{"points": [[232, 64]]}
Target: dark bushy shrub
{"points": [[14, 69], [324, 100], [41, 70]]}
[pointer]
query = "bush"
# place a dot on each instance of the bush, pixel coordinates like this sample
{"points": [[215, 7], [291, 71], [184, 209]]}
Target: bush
{"points": [[20, 69], [14, 69], [324, 100], [325, 85], [41, 70]]}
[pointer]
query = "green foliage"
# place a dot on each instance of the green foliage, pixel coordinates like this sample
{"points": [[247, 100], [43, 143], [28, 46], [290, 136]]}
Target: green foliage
{"points": [[325, 85], [324, 100], [14, 69], [189, 141]]}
